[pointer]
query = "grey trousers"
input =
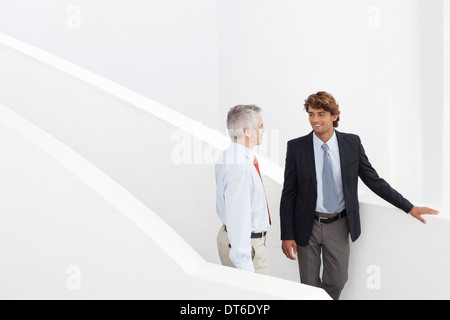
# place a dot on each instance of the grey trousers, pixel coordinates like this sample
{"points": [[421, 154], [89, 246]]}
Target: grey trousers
{"points": [[332, 241]]}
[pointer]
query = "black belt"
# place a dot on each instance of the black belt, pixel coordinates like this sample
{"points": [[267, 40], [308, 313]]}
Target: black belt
{"points": [[321, 220], [258, 235], [253, 235]]}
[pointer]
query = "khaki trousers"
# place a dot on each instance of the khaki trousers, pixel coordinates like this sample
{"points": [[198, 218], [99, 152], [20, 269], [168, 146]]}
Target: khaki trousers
{"points": [[332, 241], [259, 252]]}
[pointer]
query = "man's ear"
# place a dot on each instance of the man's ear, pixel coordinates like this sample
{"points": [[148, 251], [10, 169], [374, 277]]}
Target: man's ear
{"points": [[247, 132]]}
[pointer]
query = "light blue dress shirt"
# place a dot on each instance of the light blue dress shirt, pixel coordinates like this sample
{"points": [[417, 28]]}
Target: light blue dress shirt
{"points": [[336, 163], [240, 202]]}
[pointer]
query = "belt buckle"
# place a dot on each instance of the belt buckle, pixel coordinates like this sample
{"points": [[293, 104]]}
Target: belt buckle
{"points": [[322, 218]]}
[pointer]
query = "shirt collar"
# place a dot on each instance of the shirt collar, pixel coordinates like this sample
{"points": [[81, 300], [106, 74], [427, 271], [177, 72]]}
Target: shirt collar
{"points": [[332, 142], [246, 152], [237, 154]]}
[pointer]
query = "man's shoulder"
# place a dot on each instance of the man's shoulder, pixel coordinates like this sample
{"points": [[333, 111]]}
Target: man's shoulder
{"points": [[300, 140], [348, 136], [343, 136], [235, 154]]}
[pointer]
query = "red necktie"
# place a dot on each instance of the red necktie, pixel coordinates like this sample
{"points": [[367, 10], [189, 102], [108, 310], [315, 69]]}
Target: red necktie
{"points": [[255, 162]]}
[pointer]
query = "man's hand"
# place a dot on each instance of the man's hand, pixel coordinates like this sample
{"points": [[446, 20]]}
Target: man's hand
{"points": [[417, 212], [289, 246]]}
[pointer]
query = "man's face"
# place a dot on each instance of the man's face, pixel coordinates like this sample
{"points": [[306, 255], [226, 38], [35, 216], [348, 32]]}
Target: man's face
{"points": [[321, 121], [256, 135]]}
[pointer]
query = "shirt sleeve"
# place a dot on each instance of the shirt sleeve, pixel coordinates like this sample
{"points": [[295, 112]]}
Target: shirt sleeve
{"points": [[238, 193]]}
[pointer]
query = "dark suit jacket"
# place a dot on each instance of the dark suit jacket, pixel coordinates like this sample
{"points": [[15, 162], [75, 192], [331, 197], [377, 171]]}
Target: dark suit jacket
{"points": [[299, 196]]}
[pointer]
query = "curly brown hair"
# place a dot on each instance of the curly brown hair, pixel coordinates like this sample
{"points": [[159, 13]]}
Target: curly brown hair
{"points": [[323, 100]]}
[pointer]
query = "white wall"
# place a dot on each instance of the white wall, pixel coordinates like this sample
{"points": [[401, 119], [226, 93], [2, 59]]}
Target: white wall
{"points": [[397, 257], [140, 145], [382, 60], [154, 47]]}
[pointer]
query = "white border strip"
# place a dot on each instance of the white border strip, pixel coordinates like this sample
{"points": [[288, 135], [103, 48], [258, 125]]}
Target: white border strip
{"points": [[178, 120], [446, 106]]}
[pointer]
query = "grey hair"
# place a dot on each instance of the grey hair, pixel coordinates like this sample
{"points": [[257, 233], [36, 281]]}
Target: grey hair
{"points": [[241, 117]]}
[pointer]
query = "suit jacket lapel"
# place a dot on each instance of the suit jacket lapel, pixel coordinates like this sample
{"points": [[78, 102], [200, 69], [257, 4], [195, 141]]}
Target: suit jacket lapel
{"points": [[309, 151], [343, 152]]}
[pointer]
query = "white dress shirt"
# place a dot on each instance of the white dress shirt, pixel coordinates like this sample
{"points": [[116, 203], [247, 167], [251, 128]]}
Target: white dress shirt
{"points": [[240, 202], [336, 164]]}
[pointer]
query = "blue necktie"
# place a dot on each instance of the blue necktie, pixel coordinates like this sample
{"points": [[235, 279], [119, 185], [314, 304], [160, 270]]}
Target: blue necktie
{"points": [[330, 199]]}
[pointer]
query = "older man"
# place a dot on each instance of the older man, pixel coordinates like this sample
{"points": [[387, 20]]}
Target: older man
{"points": [[240, 197]]}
